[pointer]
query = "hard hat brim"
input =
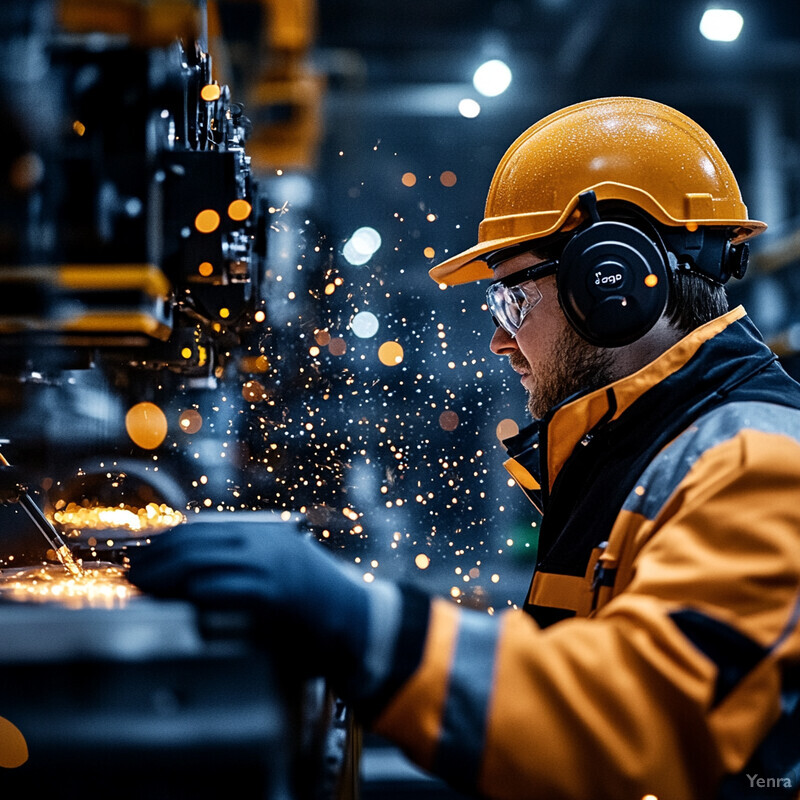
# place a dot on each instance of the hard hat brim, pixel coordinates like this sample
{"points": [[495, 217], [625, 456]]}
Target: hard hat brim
{"points": [[469, 266]]}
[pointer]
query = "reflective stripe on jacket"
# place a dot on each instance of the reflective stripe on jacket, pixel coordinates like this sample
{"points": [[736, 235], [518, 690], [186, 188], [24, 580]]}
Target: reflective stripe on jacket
{"points": [[670, 560]]}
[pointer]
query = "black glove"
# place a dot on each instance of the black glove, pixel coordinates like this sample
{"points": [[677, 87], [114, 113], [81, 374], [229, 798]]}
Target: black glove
{"points": [[290, 582], [11, 484]]}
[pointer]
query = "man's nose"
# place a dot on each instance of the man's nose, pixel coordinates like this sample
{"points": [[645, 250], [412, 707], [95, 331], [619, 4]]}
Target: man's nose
{"points": [[502, 342]]}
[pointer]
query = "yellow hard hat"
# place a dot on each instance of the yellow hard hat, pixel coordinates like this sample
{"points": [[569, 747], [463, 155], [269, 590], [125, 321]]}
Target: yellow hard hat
{"points": [[622, 148]]}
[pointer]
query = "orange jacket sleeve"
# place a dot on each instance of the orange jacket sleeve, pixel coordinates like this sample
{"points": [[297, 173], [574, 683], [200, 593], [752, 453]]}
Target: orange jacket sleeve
{"points": [[670, 686]]}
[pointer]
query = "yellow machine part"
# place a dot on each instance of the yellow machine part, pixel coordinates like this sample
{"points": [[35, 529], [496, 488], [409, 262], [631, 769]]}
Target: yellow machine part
{"points": [[147, 23]]}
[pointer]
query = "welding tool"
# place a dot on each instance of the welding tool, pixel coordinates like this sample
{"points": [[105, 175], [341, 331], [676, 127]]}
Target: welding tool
{"points": [[45, 527]]}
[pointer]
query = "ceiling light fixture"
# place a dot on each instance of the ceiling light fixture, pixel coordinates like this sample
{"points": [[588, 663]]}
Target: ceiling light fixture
{"points": [[469, 108], [721, 24], [492, 78]]}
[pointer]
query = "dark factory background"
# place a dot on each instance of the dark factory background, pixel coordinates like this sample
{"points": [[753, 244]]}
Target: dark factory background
{"points": [[216, 224]]}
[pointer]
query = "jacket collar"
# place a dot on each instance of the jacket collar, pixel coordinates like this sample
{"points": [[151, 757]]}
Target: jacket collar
{"points": [[562, 429]]}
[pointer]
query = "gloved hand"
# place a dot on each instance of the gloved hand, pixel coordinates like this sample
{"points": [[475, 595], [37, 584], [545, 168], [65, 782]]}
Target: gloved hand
{"points": [[294, 587]]}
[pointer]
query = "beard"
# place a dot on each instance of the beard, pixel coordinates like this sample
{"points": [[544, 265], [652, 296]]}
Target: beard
{"points": [[573, 366]]}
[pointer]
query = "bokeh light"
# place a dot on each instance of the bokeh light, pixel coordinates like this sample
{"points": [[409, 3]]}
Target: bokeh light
{"points": [[337, 346], [448, 178], [207, 221], [721, 24], [190, 421], [364, 324], [361, 246], [254, 391], [469, 108], [390, 354], [146, 424], [506, 428], [210, 92], [492, 78], [239, 210], [448, 420]]}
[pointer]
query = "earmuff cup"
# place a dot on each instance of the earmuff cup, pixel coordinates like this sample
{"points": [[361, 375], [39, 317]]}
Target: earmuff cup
{"points": [[612, 282]]}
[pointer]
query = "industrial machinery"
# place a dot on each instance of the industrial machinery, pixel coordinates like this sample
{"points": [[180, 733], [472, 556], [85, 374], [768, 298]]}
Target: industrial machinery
{"points": [[135, 333], [133, 233]]}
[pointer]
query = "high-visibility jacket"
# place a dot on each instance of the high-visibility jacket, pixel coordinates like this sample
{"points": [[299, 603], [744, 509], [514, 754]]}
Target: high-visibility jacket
{"points": [[658, 653]]}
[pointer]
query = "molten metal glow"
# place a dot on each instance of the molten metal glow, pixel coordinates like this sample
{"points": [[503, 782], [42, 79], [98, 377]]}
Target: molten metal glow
{"points": [[152, 517], [102, 586]]}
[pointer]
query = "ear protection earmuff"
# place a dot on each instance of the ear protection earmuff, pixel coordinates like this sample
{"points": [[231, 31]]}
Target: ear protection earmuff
{"points": [[612, 279]]}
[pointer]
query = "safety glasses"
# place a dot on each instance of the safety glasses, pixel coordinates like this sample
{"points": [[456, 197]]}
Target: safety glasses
{"points": [[510, 299]]}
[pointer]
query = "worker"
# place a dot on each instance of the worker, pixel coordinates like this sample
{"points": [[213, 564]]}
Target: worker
{"points": [[658, 650]]}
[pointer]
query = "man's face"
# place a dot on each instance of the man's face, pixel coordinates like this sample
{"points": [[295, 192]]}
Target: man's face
{"points": [[553, 360]]}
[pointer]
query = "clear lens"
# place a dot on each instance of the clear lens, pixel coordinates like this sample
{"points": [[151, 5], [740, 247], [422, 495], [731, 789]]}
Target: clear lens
{"points": [[510, 304]]}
